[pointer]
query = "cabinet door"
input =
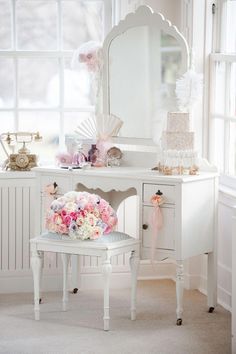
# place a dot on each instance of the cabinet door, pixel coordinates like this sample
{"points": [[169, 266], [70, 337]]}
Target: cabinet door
{"points": [[165, 238]]}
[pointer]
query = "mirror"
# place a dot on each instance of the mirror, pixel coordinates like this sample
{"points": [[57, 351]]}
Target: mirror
{"points": [[143, 57]]}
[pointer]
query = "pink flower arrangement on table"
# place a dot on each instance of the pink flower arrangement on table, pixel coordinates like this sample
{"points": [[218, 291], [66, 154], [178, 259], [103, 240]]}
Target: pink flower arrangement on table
{"points": [[81, 215]]}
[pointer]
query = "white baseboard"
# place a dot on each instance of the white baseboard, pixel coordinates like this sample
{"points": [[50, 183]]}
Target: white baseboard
{"points": [[191, 281], [223, 296], [14, 282]]}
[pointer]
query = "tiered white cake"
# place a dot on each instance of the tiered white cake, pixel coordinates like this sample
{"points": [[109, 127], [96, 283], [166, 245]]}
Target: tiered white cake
{"points": [[178, 145], [178, 135]]}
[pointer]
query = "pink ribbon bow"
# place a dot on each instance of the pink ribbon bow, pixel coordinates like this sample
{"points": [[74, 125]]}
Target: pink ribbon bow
{"points": [[156, 221]]}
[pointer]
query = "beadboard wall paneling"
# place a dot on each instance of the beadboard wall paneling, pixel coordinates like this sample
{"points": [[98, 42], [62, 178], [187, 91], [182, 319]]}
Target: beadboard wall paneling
{"points": [[16, 223]]}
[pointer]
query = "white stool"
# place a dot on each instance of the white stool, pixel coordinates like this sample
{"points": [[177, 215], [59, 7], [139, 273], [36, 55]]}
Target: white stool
{"points": [[105, 247]]}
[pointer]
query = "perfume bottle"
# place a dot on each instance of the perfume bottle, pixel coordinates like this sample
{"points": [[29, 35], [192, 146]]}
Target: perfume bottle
{"points": [[79, 157], [93, 154]]}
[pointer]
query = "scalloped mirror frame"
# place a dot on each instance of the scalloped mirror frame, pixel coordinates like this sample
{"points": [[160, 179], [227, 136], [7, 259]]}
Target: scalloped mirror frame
{"points": [[144, 15]]}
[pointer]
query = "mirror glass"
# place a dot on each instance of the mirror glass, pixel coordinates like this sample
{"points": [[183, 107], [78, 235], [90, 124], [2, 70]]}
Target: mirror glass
{"points": [[144, 62]]}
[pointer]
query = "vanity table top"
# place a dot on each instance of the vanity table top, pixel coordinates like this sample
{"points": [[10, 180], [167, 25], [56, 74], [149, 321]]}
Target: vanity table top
{"points": [[137, 173]]}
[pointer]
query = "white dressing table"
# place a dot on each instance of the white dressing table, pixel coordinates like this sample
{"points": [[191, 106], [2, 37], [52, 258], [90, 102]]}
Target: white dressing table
{"points": [[189, 211], [143, 56]]}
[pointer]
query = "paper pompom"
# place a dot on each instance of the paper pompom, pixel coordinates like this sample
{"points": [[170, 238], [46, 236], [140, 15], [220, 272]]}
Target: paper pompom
{"points": [[188, 89]]}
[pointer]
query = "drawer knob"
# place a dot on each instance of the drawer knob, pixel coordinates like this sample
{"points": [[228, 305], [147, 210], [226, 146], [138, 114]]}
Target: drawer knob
{"points": [[145, 226], [159, 192]]}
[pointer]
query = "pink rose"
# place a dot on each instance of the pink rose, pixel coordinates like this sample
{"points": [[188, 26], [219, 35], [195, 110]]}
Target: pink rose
{"points": [[62, 229], [63, 212], [67, 220], [73, 215], [107, 230]]}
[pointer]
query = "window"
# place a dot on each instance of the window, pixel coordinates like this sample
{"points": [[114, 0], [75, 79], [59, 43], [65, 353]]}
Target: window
{"points": [[39, 91], [223, 92]]}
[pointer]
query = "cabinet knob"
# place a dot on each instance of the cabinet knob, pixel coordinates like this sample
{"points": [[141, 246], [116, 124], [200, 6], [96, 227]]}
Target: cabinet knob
{"points": [[145, 226]]}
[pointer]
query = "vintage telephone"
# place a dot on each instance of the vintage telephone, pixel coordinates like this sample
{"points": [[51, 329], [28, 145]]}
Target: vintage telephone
{"points": [[23, 160]]}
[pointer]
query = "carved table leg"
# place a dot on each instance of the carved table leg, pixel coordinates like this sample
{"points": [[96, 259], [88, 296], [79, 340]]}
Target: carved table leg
{"points": [[179, 291], [36, 265], [211, 282], [65, 262], [134, 265], [106, 270]]}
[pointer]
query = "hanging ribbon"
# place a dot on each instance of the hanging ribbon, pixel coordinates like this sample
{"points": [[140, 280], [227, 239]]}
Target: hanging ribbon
{"points": [[156, 221]]}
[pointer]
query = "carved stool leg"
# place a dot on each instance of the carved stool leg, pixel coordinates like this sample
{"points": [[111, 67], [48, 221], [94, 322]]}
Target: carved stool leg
{"points": [[65, 262], [106, 270], [179, 291], [134, 265], [76, 278], [36, 265]]}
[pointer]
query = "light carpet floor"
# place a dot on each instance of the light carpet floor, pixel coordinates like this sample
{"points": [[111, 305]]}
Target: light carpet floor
{"points": [[79, 330]]}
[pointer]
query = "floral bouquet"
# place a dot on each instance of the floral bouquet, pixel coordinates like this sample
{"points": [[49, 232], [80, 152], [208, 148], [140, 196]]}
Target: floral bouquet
{"points": [[81, 215], [89, 55]]}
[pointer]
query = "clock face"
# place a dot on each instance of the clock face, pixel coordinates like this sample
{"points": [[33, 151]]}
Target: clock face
{"points": [[22, 160]]}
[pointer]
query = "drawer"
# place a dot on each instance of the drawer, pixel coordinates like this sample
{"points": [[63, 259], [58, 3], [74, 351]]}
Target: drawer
{"points": [[63, 183], [168, 192], [165, 238]]}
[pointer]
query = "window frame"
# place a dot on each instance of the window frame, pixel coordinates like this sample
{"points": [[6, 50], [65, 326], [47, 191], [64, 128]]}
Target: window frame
{"points": [[60, 54], [219, 55]]}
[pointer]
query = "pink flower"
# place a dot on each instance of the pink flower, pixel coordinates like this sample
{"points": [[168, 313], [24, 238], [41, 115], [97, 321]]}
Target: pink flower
{"points": [[63, 212], [67, 220], [62, 229], [108, 230], [73, 215], [97, 232], [105, 216], [89, 207], [79, 221]]}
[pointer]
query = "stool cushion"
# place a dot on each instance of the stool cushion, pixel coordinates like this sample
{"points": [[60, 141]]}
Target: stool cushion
{"points": [[112, 237]]}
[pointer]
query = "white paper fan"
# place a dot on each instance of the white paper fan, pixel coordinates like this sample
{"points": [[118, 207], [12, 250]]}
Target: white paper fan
{"points": [[101, 126]]}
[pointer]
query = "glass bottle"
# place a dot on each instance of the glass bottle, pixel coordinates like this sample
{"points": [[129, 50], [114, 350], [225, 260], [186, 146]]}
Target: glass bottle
{"points": [[93, 154], [78, 157]]}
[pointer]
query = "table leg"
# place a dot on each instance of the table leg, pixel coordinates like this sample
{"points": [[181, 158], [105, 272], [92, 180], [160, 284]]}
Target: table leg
{"points": [[134, 265], [65, 262], [36, 265], [106, 270], [179, 291], [211, 282]]}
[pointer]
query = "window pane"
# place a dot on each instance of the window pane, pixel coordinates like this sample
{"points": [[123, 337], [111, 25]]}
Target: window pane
{"points": [[38, 82], [77, 87], [6, 82], [36, 24], [82, 22], [48, 126], [219, 144], [232, 102], [6, 125], [73, 119], [232, 149], [5, 24], [220, 88], [231, 27]]}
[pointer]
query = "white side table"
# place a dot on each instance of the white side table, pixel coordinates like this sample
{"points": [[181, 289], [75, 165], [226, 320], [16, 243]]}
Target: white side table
{"points": [[105, 247]]}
